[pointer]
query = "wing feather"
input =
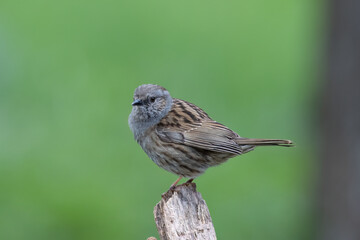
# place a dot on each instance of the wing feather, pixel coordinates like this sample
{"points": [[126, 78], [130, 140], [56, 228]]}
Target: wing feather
{"points": [[189, 125]]}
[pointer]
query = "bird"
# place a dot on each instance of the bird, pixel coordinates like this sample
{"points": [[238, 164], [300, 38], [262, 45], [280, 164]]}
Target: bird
{"points": [[181, 138]]}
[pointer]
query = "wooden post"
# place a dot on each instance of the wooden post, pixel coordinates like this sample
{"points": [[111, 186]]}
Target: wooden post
{"points": [[183, 214]]}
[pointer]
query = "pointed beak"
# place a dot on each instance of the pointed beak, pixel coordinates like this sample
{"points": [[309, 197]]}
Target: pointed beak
{"points": [[137, 102]]}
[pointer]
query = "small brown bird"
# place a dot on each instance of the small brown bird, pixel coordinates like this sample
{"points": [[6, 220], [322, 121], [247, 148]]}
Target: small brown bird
{"points": [[181, 138]]}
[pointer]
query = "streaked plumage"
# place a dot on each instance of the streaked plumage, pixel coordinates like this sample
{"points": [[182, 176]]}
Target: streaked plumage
{"points": [[180, 137]]}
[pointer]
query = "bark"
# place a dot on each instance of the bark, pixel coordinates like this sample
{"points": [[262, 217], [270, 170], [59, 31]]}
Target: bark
{"points": [[183, 214]]}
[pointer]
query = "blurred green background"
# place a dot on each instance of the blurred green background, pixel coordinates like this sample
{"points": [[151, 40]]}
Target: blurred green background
{"points": [[69, 167]]}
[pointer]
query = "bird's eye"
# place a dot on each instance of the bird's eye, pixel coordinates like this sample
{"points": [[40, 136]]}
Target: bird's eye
{"points": [[152, 99]]}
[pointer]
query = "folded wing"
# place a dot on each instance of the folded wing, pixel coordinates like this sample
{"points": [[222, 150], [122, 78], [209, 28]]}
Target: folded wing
{"points": [[193, 127]]}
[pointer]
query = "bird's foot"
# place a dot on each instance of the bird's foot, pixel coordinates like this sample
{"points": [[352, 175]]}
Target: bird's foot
{"points": [[190, 180]]}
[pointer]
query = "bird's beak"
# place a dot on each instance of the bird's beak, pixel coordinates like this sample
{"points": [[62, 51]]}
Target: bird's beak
{"points": [[137, 102]]}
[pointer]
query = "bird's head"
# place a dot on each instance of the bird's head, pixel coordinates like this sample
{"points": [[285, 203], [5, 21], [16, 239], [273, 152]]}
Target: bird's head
{"points": [[150, 104]]}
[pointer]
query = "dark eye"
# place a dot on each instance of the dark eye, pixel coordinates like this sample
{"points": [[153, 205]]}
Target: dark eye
{"points": [[152, 99]]}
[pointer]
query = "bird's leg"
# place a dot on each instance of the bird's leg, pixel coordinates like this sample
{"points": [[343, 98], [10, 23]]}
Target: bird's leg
{"points": [[176, 182], [190, 180]]}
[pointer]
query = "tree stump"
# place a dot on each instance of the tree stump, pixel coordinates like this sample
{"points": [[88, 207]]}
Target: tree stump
{"points": [[182, 214]]}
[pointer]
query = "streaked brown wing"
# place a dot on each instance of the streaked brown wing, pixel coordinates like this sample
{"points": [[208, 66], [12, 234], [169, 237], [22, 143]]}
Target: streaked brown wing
{"points": [[187, 124]]}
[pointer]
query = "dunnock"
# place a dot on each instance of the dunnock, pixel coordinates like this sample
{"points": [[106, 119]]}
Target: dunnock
{"points": [[180, 137]]}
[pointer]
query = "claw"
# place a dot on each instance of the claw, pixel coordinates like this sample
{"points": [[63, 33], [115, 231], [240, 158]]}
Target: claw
{"points": [[190, 180]]}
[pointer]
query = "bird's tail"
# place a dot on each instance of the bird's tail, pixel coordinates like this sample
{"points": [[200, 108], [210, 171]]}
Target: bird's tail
{"points": [[264, 142]]}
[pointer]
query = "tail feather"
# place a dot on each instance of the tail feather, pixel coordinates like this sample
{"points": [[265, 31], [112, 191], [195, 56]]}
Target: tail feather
{"points": [[264, 142]]}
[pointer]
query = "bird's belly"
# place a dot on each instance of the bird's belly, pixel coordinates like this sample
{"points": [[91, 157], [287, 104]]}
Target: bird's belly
{"points": [[180, 159]]}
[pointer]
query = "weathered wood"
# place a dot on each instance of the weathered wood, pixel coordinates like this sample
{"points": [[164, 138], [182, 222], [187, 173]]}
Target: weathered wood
{"points": [[182, 214]]}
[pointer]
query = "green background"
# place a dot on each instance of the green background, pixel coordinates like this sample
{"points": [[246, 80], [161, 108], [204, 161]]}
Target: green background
{"points": [[69, 167]]}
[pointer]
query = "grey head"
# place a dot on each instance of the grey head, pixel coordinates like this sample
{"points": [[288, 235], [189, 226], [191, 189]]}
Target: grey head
{"points": [[151, 103]]}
